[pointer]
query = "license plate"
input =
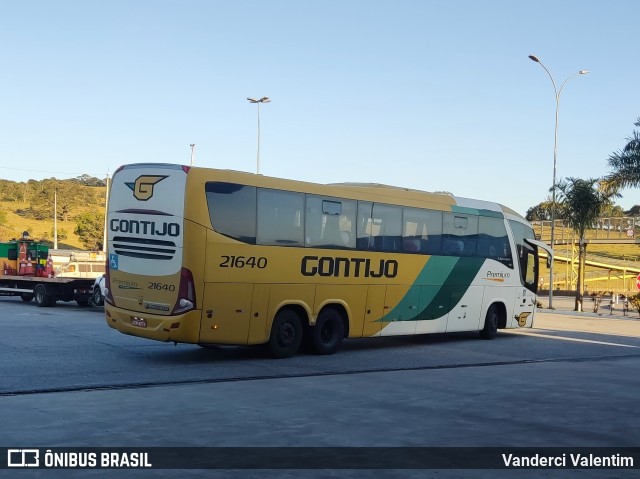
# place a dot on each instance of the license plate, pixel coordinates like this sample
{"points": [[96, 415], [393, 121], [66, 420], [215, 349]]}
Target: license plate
{"points": [[140, 322]]}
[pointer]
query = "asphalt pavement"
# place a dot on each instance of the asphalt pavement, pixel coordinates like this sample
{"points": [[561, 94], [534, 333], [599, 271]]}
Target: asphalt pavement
{"points": [[571, 381]]}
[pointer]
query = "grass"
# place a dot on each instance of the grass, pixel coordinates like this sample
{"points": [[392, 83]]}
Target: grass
{"points": [[597, 279]]}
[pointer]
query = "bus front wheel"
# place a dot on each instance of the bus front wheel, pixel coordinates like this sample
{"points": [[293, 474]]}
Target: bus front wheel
{"points": [[490, 329], [286, 334], [327, 334]]}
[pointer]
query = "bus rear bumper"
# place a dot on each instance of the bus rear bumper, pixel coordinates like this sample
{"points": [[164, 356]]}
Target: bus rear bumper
{"points": [[183, 328]]}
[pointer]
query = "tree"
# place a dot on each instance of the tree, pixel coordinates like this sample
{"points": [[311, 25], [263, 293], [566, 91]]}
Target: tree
{"points": [[612, 211], [625, 164], [88, 180], [635, 302], [583, 202], [63, 234], [539, 212], [634, 211], [69, 198], [90, 228], [542, 211]]}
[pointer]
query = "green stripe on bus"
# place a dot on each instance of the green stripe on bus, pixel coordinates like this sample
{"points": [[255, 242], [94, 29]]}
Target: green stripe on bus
{"points": [[442, 279]]}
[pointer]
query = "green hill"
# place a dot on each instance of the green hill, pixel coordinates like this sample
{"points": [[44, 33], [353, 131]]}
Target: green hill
{"points": [[29, 206]]}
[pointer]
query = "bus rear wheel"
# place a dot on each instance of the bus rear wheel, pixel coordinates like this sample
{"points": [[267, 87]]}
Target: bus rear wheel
{"points": [[327, 334], [26, 297], [286, 334], [490, 329]]}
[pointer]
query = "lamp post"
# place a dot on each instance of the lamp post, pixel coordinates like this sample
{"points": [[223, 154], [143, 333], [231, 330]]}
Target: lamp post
{"points": [[264, 99], [555, 157]]}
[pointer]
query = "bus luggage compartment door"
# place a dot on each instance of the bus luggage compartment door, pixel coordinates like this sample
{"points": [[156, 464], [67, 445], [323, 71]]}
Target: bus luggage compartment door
{"points": [[226, 313], [465, 309]]}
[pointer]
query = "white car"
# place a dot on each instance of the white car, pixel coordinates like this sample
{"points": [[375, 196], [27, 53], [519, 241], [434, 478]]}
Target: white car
{"points": [[97, 295]]}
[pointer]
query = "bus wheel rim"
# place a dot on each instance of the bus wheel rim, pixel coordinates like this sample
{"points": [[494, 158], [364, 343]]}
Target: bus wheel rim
{"points": [[286, 334]]}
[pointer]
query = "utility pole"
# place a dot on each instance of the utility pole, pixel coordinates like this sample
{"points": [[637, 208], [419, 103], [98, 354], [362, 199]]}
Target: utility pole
{"points": [[557, 93], [55, 218], [106, 209]]}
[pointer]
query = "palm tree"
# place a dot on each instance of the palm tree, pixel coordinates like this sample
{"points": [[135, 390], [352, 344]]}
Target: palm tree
{"points": [[625, 164], [583, 202]]}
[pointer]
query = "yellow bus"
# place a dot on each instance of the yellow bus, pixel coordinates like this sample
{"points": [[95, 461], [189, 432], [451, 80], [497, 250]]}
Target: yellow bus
{"points": [[208, 256]]}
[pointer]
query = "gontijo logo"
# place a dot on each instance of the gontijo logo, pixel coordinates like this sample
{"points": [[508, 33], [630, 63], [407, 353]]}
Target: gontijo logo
{"points": [[143, 186], [522, 318]]}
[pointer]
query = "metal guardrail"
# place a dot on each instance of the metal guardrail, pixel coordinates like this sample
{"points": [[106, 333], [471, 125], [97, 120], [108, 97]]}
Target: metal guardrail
{"points": [[625, 228], [605, 272]]}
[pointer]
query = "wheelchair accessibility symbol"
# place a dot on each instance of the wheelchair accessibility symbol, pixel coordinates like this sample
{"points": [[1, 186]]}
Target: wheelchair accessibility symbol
{"points": [[113, 261]]}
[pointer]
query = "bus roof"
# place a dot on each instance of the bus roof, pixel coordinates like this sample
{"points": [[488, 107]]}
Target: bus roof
{"points": [[372, 191]]}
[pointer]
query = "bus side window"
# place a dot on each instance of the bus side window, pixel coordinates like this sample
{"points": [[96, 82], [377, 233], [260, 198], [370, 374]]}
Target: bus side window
{"points": [[460, 234], [364, 225], [493, 240], [528, 269], [387, 231], [280, 216], [330, 222], [415, 230]]}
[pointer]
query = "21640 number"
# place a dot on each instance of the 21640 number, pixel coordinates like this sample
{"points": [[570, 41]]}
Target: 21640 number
{"points": [[243, 262], [161, 286]]}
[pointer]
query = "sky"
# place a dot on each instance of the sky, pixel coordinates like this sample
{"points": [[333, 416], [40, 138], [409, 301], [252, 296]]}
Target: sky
{"points": [[425, 94]]}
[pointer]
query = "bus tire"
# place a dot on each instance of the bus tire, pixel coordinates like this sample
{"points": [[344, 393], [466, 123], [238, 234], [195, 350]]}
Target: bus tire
{"points": [[42, 297], [490, 329], [26, 297], [286, 334], [328, 333]]}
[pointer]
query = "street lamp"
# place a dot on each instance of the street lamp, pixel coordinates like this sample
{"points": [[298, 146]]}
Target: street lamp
{"points": [[264, 99], [555, 156]]}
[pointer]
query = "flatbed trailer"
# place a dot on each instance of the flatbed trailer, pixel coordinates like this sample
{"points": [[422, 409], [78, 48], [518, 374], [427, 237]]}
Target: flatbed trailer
{"points": [[47, 291]]}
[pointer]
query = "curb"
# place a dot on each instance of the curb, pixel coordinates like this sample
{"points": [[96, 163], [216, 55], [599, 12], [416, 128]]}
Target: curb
{"points": [[632, 316]]}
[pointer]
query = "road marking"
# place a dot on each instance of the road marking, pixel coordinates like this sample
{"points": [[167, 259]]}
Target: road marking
{"points": [[577, 340]]}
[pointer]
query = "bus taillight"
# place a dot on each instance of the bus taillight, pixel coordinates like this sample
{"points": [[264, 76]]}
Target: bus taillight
{"points": [[108, 296], [186, 293]]}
